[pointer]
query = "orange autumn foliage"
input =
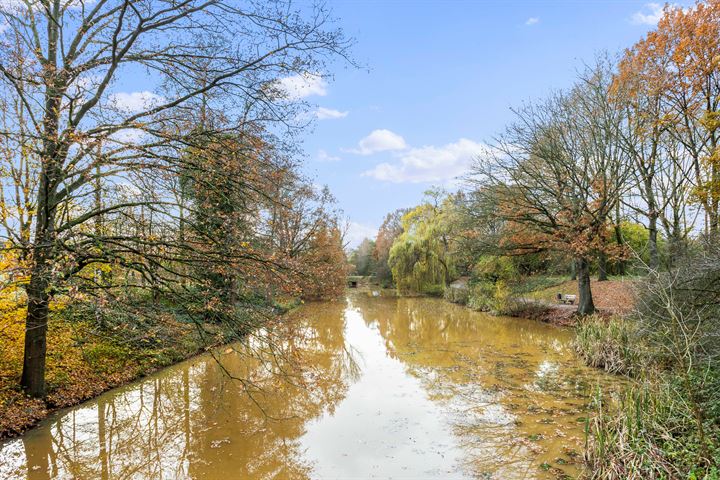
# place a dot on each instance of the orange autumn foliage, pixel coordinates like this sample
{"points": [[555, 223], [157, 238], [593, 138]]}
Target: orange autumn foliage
{"points": [[677, 66]]}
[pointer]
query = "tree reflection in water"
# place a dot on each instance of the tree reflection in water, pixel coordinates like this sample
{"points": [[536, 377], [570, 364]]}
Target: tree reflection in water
{"points": [[368, 386], [192, 421], [512, 389]]}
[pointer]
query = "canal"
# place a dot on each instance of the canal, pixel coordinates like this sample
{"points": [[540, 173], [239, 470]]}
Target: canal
{"points": [[367, 387]]}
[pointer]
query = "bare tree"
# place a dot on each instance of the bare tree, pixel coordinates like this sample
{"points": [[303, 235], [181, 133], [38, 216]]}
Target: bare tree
{"points": [[556, 175], [662, 172]]}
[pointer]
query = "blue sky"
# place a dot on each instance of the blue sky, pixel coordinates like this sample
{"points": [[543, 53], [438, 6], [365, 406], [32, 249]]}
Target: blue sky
{"points": [[441, 77]]}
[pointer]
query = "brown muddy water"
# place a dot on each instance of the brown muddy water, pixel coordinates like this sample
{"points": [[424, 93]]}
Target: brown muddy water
{"points": [[370, 387]]}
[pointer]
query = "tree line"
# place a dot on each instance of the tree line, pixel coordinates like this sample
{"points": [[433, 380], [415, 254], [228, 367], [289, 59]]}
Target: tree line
{"points": [[620, 170], [187, 193]]}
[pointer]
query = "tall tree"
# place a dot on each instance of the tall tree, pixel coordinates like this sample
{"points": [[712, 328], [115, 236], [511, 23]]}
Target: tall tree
{"points": [[362, 258], [390, 229], [421, 257], [79, 52], [301, 227], [679, 62], [556, 175]]}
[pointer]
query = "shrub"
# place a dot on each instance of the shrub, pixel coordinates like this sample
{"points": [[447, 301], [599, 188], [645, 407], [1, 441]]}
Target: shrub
{"points": [[459, 295], [487, 296], [669, 426], [434, 290], [501, 297], [492, 268], [612, 344], [480, 296]]}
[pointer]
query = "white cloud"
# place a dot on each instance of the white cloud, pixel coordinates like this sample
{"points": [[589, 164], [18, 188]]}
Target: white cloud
{"points": [[381, 140], [323, 156], [128, 136], [357, 232], [135, 101], [430, 163], [328, 113], [655, 13], [532, 21], [303, 85]]}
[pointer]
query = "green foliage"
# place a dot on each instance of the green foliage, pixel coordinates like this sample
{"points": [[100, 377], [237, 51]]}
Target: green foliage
{"points": [[651, 432], [481, 296], [489, 296], [490, 288], [636, 237], [362, 258], [534, 263], [459, 295], [106, 358], [437, 290], [420, 258], [501, 296], [537, 283], [493, 268]]}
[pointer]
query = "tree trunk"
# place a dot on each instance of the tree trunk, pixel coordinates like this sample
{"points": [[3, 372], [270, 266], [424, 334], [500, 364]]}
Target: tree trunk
{"points": [[33, 374], [714, 201], [573, 270], [653, 261], [602, 267], [38, 292], [621, 264], [676, 247], [585, 302]]}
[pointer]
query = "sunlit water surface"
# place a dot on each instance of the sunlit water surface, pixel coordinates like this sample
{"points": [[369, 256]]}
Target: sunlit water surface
{"points": [[364, 388]]}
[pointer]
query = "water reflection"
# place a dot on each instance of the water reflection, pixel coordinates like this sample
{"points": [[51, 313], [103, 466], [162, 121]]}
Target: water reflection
{"points": [[366, 388]]}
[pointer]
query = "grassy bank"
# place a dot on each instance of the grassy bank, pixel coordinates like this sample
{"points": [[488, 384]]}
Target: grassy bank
{"points": [[667, 425], [534, 297], [91, 350]]}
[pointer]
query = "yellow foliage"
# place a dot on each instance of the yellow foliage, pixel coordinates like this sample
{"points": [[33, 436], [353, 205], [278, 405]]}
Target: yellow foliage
{"points": [[711, 121]]}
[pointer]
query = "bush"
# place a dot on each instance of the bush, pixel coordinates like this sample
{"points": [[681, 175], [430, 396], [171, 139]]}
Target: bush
{"points": [[492, 268], [489, 291], [501, 297], [435, 290], [669, 427], [480, 296], [459, 295], [486, 296], [612, 344]]}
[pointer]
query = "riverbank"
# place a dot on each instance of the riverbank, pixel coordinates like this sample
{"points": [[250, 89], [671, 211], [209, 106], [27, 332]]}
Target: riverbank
{"points": [[86, 358], [665, 424], [535, 298], [416, 387]]}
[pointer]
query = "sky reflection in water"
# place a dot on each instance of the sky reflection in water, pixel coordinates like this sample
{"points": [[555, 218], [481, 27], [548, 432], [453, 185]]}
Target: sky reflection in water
{"points": [[370, 388]]}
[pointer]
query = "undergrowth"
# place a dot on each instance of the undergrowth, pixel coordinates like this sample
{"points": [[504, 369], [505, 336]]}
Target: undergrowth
{"points": [[667, 424]]}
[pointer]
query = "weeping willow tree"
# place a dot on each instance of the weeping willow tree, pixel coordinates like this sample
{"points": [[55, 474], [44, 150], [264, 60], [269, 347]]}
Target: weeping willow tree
{"points": [[420, 258]]}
